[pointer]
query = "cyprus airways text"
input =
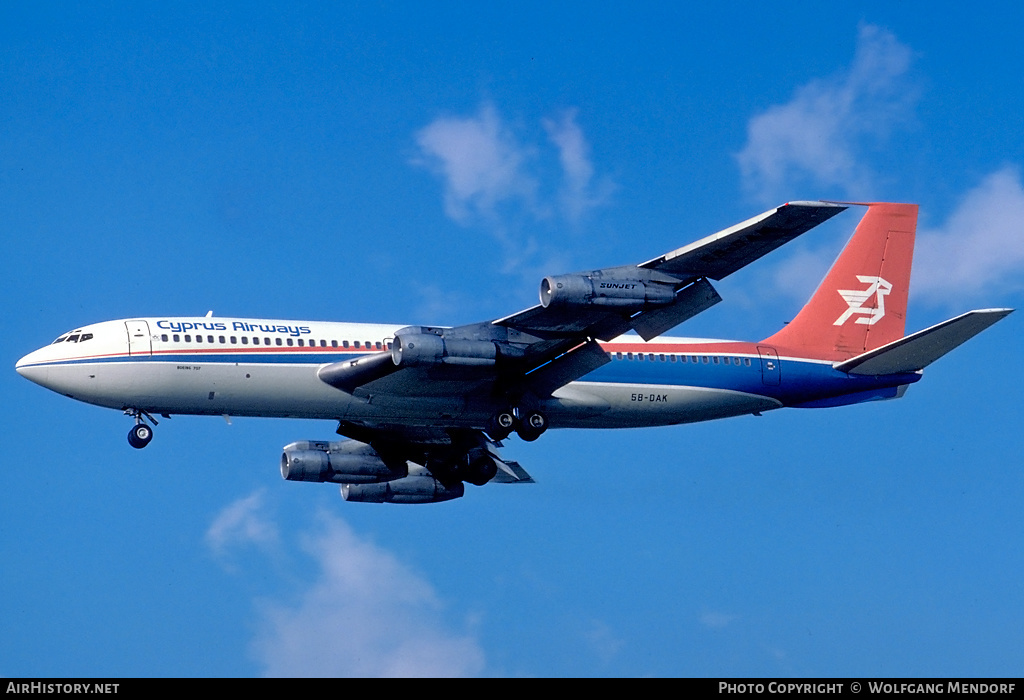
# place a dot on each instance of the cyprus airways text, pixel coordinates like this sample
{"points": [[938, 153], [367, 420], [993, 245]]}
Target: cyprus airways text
{"points": [[185, 326]]}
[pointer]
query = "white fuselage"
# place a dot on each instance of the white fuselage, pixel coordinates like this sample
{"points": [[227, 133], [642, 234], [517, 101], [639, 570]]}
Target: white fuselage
{"points": [[246, 367]]}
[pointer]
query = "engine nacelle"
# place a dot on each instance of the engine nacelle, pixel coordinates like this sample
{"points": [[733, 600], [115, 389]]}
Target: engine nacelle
{"points": [[344, 462], [415, 488], [417, 346], [583, 290]]}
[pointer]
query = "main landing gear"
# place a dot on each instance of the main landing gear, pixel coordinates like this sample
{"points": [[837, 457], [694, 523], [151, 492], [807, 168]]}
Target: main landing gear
{"points": [[528, 425], [141, 434]]}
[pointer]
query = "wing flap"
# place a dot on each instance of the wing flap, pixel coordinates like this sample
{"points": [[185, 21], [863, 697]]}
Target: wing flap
{"points": [[511, 473], [567, 368]]}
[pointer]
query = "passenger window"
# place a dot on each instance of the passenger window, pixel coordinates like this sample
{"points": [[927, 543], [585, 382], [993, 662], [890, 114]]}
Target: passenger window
{"points": [[176, 338], [356, 344], [334, 343], [302, 343], [245, 341], [234, 340], [378, 345], [344, 343], [221, 339], [188, 339], [715, 359], [199, 338], [278, 341]]}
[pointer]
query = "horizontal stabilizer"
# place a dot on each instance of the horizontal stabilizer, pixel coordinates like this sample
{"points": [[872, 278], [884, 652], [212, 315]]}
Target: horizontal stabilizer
{"points": [[920, 349]]}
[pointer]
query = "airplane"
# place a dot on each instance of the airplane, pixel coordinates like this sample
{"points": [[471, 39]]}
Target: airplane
{"points": [[424, 409]]}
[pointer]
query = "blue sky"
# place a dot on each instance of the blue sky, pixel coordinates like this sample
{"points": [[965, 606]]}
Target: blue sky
{"points": [[409, 163]]}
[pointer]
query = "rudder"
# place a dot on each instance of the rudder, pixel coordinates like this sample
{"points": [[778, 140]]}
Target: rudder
{"points": [[862, 302]]}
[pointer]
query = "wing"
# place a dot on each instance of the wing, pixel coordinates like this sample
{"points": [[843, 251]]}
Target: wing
{"points": [[659, 294], [544, 347]]}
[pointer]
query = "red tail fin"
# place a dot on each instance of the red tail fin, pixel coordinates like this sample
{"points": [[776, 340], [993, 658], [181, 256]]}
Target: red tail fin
{"points": [[862, 302]]}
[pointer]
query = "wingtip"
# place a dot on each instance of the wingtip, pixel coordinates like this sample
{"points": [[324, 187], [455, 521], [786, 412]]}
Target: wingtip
{"points": [[818, 204]]}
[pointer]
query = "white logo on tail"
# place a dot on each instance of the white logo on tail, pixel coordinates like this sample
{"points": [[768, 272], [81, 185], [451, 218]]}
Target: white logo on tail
{"points": [[878, 288]]}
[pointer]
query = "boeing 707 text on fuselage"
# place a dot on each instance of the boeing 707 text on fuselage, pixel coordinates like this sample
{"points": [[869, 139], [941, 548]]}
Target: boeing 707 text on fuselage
{"points": [[424, 409]]}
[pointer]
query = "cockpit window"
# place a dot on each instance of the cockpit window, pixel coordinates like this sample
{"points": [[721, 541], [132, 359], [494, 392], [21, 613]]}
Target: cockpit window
{"points": [[73, 337]]}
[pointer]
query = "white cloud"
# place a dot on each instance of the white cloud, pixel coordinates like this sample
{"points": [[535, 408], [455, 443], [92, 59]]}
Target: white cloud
{"points": [[480, 161], [365, 614], [484, 165], [241, 523], [579, 194], [980, 247], [525, 192], [819, 136]]}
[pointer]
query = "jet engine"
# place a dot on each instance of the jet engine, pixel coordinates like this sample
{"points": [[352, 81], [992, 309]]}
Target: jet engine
{"points": [[583, 290], [344, 462], [416, 346]]}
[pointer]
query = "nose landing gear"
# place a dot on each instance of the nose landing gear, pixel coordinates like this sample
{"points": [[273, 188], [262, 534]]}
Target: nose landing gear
{"points": [[141, 434]]}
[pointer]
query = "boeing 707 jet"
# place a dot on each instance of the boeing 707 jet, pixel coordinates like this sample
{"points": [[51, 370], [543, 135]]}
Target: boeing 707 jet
{"points": [[424, 409]]}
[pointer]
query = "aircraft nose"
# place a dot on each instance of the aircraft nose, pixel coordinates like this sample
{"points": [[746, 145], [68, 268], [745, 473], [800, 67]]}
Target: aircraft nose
{"points": [[28, 368]]}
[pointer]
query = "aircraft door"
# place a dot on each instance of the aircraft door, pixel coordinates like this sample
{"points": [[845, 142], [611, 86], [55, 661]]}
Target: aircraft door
{"points": [[139, 342], [771, 373]]}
